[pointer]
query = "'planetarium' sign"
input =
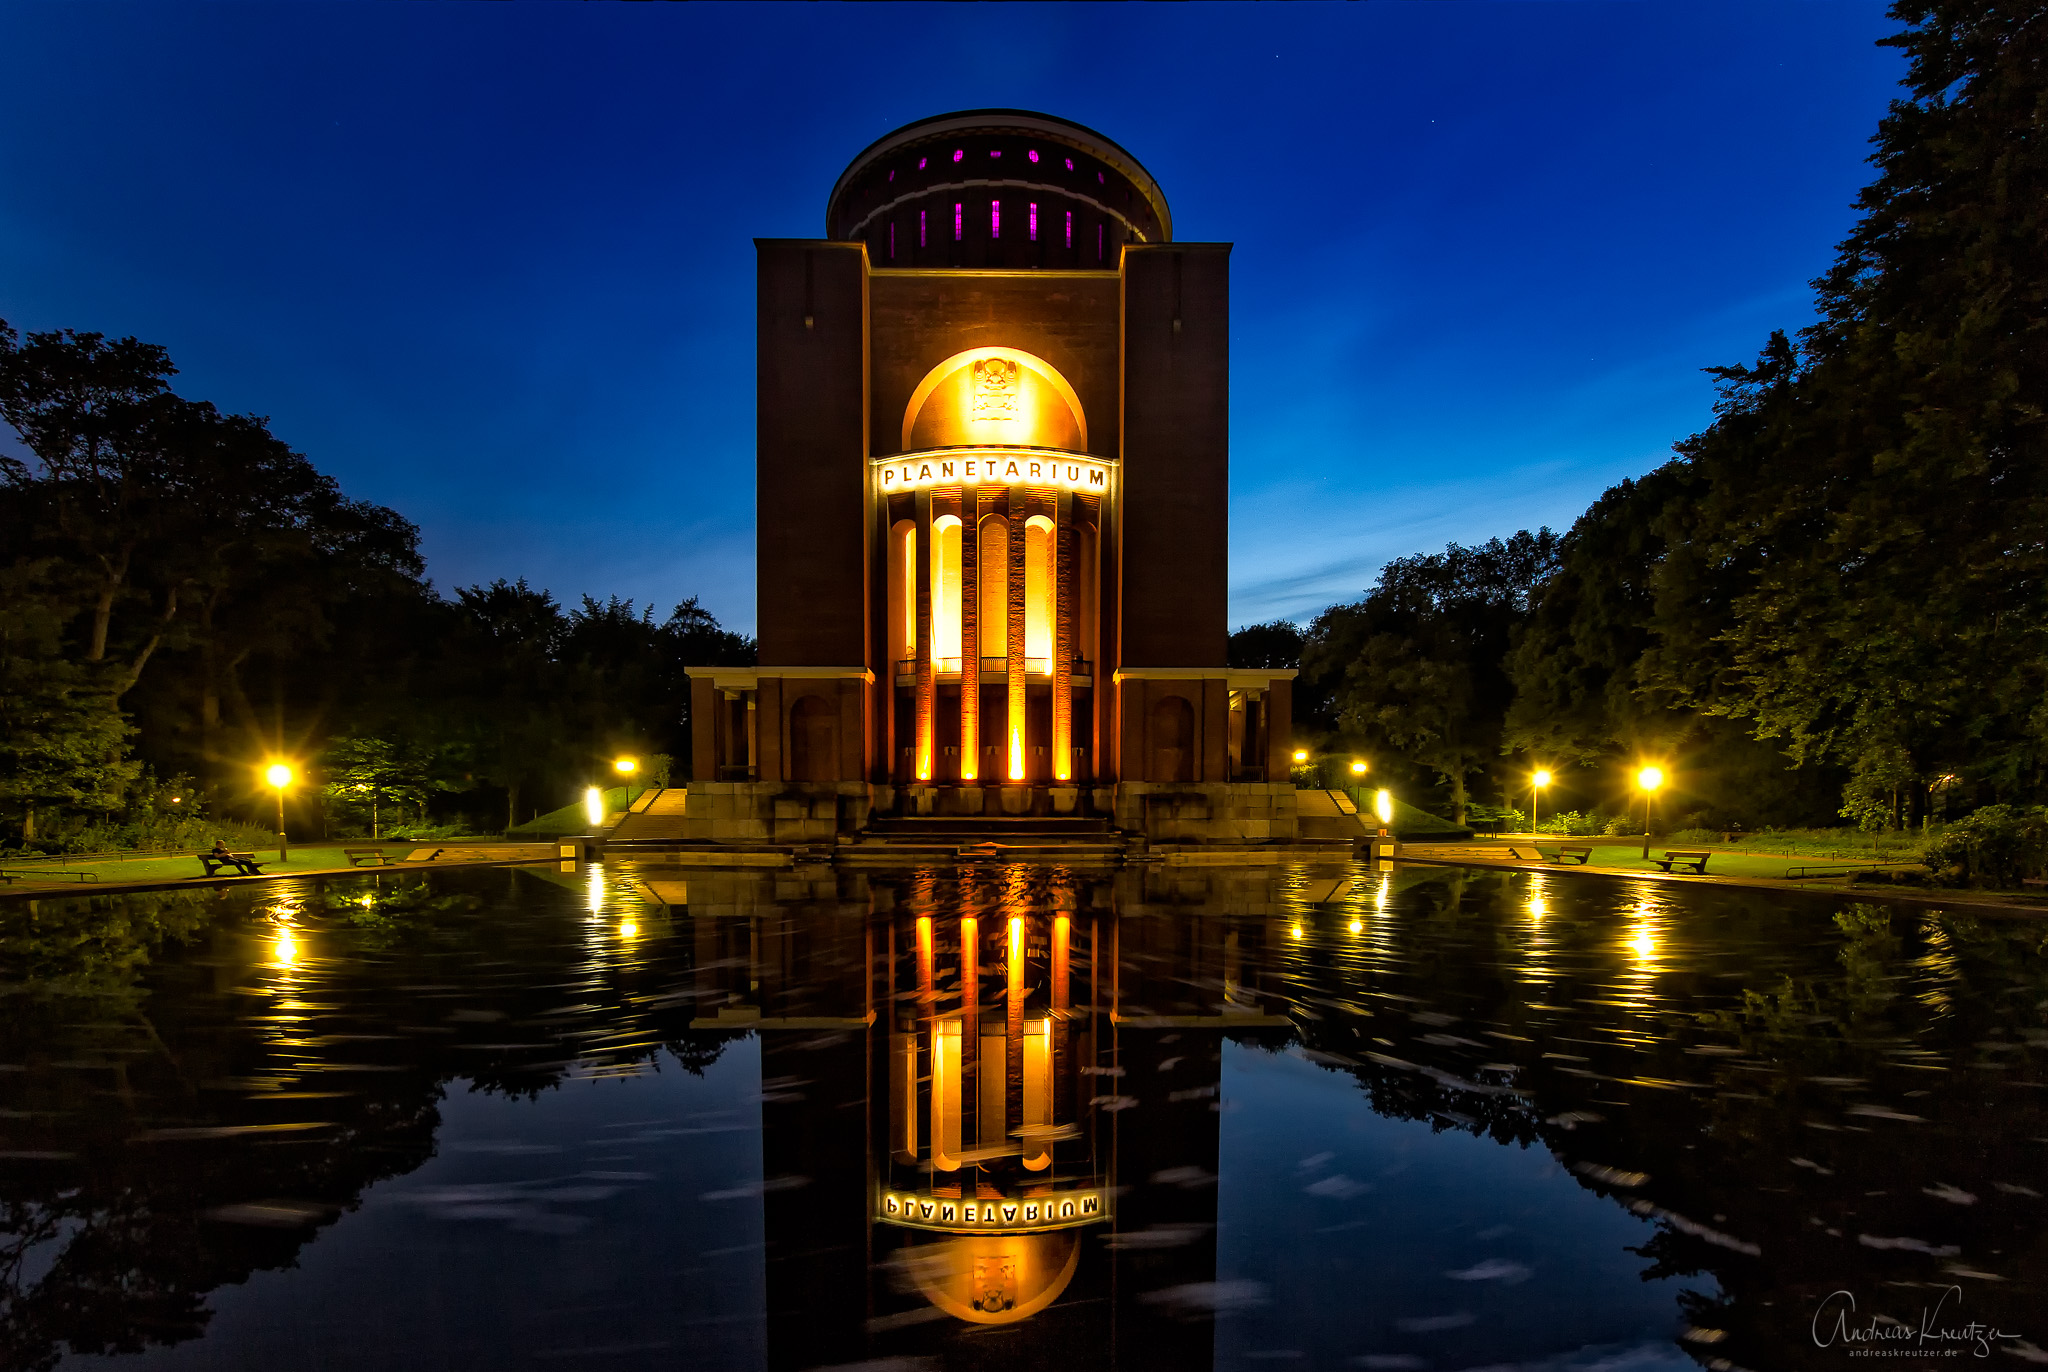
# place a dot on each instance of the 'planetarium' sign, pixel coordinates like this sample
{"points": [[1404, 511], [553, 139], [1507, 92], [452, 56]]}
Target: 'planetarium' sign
{"points": [[1025, 1215], [994, 467]]}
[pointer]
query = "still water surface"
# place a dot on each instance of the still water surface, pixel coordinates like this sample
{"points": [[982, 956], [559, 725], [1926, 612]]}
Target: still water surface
{"points": [[1008, 1117]]}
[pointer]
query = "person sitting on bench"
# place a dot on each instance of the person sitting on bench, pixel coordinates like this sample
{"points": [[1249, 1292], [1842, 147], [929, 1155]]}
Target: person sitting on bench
{"points": [[237, 861]]}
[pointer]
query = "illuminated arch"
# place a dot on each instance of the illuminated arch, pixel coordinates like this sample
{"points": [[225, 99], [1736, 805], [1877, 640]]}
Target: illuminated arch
{"points": [[1036, 1269], [958, 362], [902, 591], [945, 588], [1038, 589]]}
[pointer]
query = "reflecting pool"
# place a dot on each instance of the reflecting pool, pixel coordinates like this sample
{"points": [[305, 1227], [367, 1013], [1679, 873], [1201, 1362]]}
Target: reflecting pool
{"points": [[1006, 1116]]}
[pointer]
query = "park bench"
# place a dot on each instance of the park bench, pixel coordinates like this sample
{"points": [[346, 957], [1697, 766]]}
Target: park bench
{"points": [[1522, 852], [46, 874], [244, 863], [1695, 861], [1575, 853], [366, 857]]}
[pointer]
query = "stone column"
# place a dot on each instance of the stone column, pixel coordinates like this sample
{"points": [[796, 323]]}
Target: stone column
{"points": [[1013, 749], [1063, 639], [970, 633], [922, 769]]}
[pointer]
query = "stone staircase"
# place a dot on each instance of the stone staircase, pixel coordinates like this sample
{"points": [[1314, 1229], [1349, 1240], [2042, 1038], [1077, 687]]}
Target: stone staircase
{"points": [[656, 817], [1329, 815], [1087, 841]]}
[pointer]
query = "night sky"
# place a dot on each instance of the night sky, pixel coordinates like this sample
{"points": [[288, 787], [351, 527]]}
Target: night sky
{"points": [[492, 265]]}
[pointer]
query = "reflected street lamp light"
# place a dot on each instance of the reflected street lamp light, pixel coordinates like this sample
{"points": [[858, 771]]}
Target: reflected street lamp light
{"points": [[1649, 779], [280, 775]]}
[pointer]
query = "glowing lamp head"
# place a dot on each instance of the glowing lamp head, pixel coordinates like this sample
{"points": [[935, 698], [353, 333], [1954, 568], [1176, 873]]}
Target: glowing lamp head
{"points": [[1542, 777], [626, 766], [278, 774], [1358, 769], [1383, 806], [1650, 778], [1300, 755], [593, 805]]}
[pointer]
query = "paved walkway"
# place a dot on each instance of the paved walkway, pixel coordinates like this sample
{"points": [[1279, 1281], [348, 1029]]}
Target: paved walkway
{"points": [[1494, 857]]}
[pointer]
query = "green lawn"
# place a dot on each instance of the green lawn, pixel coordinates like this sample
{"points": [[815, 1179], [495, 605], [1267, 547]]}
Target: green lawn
{"points": [[1730, 862], [305, 858]]}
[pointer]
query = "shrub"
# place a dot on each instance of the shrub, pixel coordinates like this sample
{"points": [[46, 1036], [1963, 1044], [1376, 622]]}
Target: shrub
{"points": [[1507, 816], [1696, 836], [425, 833], [1621, 826], [1570, 823], [1999, 845]]}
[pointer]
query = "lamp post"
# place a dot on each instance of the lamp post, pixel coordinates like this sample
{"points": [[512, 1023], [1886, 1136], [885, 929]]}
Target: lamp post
{"points": [[1649, 779], [1537, 782], [625, 767], [279, 775], [1383, 806]]}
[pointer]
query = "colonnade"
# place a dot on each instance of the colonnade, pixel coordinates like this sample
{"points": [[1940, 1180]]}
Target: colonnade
{"points": [[1009, 586]]}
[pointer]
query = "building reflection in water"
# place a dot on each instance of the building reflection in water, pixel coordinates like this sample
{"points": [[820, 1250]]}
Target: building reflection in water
{"points": [[988, 1098]]}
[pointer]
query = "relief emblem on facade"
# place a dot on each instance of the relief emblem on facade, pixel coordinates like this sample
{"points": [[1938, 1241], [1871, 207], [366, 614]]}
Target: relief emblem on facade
{"points": [[995, 1284], [995, 389]]}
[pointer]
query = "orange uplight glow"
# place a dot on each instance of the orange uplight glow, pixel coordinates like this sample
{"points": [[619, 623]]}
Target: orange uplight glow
{"points": [[1016, 745]]}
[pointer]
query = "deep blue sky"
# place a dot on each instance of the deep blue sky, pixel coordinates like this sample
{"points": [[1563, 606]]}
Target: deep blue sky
{"points": [[492, 265]]}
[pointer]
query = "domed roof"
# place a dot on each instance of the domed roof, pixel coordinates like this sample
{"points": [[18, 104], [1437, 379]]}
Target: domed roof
{"points": [[996, 188]]}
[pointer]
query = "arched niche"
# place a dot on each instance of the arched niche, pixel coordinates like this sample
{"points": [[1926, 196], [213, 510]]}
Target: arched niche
{"points": [[902, 591], [994, 396], [996, 1278]]}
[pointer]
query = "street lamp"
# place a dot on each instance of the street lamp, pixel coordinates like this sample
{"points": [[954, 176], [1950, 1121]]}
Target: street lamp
{"points": [[625, 767], [1357, 768], [1537, 782], [1300, 756], [1649, 779], [279, 775]]}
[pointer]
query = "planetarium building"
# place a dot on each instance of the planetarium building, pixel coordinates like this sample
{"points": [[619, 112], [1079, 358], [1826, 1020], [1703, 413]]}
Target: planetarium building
{"points": [[993, 419]]}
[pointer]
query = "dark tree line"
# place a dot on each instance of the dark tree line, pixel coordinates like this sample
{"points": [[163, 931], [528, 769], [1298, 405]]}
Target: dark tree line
{"points": [[1834, 598], [183, 596]]}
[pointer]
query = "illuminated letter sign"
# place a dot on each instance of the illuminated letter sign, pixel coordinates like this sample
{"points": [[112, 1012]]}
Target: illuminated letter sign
{"points": [[993, 467], [1062, 1210]]}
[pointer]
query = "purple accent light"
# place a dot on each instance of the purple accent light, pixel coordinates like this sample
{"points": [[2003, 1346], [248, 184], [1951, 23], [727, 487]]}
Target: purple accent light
{"points": [[892, 173], [995, 152], [1070, 228], [920, 228], [1098, 242], [892, 240], [995, 219], [1033, 154], [956, 221], [1070, 164], [1034, 221], [920, 164], [958, 154], [1099, 181]]}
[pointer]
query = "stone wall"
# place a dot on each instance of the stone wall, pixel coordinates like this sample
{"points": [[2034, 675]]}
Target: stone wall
{"points": [[1207, 812], [773, 811]]}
